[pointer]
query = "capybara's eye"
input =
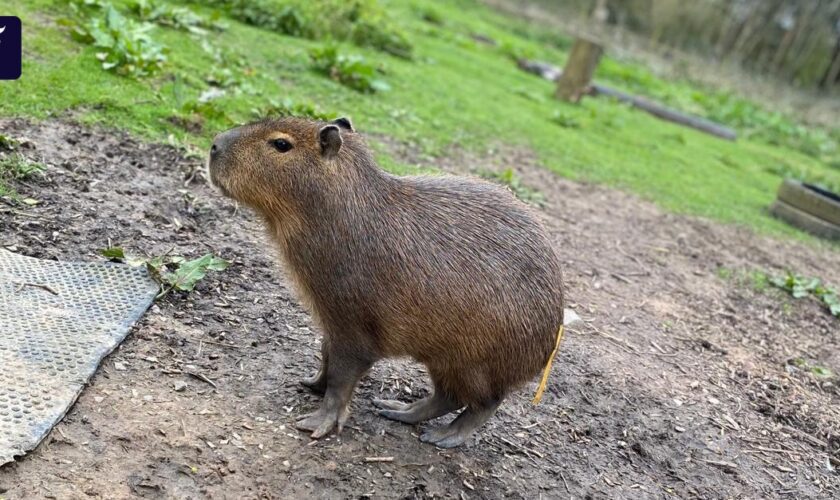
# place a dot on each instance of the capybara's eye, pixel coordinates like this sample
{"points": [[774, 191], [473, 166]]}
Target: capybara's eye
{"points": [[282, 145]]}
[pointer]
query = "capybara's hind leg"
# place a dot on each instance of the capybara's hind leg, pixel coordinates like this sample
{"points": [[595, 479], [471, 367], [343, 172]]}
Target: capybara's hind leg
{"points": [[454, 434], [318, 382], [436, 405], [343, 373]]}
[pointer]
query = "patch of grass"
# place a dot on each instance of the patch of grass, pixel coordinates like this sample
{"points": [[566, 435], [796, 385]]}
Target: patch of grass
{"points": [[509, 178], [353, 70], [15, 167], [289, 107], [123, 45], [181, 18], [363, 22], [800, 287], [453, 91], [756, 280]]}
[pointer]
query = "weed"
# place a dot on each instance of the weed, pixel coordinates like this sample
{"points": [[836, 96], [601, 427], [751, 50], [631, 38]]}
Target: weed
{"points": [[172, 272], [800, 287], [565, 120], [509, 178], [805, 365], [288, 107], [353, 71], [16, 167], [362, 22], [124, 46], [180, 18], [431, 15], [8, 143]]}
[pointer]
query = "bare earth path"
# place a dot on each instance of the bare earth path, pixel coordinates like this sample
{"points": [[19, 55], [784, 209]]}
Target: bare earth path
{"points": [[680, 383]]}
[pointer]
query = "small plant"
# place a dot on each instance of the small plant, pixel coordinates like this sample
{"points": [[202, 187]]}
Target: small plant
{"points": [[800, 287], [16, 167], [172, 272], [509, 178], [124, 46], [565, 120], [180, 18], [817, 370], [353, 71], [432, 16], [8, 143], [363, 22], [288, 107]]}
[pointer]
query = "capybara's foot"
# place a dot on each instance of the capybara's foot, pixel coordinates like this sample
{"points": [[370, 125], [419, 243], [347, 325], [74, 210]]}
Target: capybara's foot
{"points": [[316, 383], [454, 434], [390, 404], [321, 422], [424, 409]]}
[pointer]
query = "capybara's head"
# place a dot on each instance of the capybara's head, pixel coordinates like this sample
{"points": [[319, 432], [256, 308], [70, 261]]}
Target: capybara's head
{"points": [[271, 163]]}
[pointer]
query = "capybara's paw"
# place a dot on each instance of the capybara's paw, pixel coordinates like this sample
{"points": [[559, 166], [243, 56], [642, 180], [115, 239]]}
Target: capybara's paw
{"points": [[406, 417], [390, 404], [316, 383], [444, 437], [321, 423]]}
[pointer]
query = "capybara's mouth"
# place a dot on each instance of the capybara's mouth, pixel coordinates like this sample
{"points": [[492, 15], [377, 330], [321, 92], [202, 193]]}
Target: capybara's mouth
{"points": [[213, 175]]}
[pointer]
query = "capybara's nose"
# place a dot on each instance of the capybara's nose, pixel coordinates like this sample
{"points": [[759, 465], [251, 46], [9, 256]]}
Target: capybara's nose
{"points": [[223, 141]]}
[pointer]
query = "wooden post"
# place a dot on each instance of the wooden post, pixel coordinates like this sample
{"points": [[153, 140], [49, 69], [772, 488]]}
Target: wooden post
{"points": [[574, 83]]}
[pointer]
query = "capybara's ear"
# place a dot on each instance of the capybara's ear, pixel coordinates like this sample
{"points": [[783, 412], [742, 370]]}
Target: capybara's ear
{"points": [[344, 123], [330, 138]]}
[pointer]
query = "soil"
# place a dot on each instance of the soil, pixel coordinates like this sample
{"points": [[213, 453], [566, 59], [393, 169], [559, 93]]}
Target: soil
{"points": [[686, 379]]}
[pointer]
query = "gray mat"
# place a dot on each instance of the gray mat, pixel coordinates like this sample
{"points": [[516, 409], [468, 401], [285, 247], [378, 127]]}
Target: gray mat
{"points": [[57, 321]]}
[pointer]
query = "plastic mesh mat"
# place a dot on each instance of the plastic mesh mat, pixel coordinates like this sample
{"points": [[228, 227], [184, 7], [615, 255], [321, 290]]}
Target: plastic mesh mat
{"points": [[57, 321]]}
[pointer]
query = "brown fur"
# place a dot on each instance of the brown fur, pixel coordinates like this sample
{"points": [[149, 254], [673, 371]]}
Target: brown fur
{"points": [[451, 271]]}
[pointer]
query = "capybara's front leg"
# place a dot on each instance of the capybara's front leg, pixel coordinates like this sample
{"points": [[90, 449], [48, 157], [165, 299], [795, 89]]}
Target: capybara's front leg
{"points": [[343, 373], [318, 382]]}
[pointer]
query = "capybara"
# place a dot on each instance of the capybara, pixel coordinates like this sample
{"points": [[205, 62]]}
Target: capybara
{"points": [[452, 271]]}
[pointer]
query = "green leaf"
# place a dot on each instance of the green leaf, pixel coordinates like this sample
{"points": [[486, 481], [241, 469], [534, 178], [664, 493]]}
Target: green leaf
{"points": [[113, 253], [191, 272], [218, 264], [820, 371]]}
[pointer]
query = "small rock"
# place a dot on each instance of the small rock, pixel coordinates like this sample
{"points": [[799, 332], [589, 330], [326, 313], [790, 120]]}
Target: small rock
{"points": [[678, 402], [714, 401], [119, 366], [180, 386], [679, 429], [287, 465]]}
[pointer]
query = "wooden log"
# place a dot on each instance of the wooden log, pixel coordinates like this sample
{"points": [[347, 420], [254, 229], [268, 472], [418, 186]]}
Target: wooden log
{"points": [[577, 75], [666, 113]]}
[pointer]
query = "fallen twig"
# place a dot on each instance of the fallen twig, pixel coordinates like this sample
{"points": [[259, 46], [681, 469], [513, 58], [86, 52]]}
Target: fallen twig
{"points": [[36, 285]]}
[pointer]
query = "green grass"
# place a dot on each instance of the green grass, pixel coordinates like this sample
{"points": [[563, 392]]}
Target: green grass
{"points": [[13, 166], [454, 92]]}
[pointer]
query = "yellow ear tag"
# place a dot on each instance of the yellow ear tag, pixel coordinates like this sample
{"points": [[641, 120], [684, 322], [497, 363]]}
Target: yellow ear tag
{"points": [[547, 369]]}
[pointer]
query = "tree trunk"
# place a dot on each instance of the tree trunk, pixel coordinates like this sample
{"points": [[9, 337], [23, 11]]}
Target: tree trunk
{"points": [[574, 83]]}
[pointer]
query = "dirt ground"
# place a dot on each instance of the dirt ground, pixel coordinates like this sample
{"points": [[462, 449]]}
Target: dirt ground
{"points": [[679, 384]]}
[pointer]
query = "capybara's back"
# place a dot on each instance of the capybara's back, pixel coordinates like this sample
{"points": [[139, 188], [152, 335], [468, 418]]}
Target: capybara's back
{"points": [[453, 272]]}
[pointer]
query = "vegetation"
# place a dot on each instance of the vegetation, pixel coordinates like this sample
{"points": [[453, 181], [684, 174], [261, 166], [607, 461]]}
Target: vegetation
{"points": [[791, 39], [172, 272], [508, 177], [15, 166], [800, 287], [166, 80]]}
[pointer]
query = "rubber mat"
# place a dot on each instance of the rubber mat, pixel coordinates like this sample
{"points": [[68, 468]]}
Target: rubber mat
{"points": [[57, 321]]}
